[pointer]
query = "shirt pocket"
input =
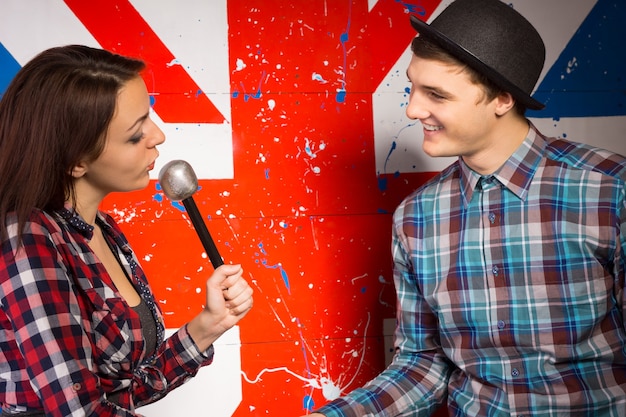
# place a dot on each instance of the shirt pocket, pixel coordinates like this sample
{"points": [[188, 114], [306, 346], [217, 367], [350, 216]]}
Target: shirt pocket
{"points": [[111, 327]]}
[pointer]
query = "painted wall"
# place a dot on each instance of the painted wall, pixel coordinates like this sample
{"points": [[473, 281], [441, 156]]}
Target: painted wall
{"points": [[292, 115]]}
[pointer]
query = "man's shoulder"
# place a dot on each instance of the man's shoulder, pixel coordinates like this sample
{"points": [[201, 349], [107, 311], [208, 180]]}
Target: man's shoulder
{"points": [[586, 157]]}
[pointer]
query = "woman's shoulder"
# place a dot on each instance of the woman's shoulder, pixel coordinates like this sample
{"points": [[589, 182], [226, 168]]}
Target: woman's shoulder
{"points": [[40, 229], [37, 222]]}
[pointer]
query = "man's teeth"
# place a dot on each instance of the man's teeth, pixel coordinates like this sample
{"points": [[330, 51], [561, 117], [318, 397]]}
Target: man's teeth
{"points": [[432, 128]]}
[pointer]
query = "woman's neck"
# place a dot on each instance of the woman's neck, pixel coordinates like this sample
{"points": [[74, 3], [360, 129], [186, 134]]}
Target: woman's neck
{"points": [[86, 208]]}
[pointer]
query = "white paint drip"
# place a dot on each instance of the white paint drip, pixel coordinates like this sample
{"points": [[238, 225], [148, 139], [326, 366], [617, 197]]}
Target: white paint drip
{"points": [[359, 277], [318, 77], [240, 65], [315, 241], [172, 63]]}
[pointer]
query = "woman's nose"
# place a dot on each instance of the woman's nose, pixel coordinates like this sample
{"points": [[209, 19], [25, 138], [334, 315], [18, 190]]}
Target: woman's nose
{"points": [[157, 136]]}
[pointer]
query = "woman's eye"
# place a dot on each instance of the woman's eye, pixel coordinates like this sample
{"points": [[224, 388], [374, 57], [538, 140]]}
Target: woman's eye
{"points": [[136, 138]]}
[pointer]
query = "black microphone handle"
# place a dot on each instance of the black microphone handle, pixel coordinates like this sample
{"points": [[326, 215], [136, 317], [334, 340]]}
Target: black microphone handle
{"points": [[203, 232]]}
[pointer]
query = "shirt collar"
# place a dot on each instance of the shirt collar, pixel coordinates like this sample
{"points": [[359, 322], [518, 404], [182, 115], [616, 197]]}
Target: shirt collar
{"points": [[515, 174], [76, 221]]}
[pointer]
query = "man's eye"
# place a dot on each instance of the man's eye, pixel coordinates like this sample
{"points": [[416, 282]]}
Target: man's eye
{"points": [[436, 96]]}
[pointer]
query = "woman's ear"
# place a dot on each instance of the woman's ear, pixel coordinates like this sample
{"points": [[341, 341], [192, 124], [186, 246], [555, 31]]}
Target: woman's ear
{"points": [[504, 103], [79, 170]]}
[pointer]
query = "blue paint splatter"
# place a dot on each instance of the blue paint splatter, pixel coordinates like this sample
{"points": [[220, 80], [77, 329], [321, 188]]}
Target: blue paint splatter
{"points": [[393, 147], [285, 277], [382, 182], [340, 97], [413, 8], [158, 196], [278, 266], [178, 205], [9, 67], [308, 403], [256, 95]]}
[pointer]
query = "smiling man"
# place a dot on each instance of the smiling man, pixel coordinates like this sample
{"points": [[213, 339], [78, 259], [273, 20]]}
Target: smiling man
{"points": [[508, 265]]}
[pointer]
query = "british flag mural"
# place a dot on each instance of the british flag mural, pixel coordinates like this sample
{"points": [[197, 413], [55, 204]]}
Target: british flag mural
{"points": [[292, 115]]}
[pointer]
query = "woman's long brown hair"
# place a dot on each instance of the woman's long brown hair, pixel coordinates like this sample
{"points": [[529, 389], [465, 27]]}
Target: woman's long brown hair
{"points": [[54, 114]]}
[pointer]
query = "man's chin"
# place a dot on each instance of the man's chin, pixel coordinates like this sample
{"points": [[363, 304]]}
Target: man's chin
{"points": [[434, 152]]}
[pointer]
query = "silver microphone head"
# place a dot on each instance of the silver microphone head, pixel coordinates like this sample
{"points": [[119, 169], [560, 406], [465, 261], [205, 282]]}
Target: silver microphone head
{"points": [[178, 181]]}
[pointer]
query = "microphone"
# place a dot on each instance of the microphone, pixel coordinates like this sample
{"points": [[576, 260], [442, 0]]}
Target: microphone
{"points": [[179, 183]]}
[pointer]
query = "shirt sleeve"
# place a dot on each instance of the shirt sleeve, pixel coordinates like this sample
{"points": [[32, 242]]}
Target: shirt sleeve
{"points": [[415, 383], [178, 361]]}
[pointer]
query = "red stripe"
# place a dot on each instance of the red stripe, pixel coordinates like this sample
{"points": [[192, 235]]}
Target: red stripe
{"points": [[391, 32], [118, 27]]}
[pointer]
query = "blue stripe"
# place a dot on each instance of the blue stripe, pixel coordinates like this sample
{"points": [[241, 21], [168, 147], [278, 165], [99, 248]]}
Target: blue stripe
{"points": [[8, 68], [587, 80]]}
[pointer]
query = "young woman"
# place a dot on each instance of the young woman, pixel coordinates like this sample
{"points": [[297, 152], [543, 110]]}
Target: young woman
{"points": [[80, 331]]}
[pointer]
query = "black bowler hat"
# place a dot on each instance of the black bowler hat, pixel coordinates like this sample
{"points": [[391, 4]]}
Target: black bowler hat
{"points": [[495, 40]]}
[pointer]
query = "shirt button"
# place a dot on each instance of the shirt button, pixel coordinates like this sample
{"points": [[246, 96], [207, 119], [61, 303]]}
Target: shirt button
{"points": [[501, 324], [515, 372], [495, 270], [76, 386], [492, 218]]}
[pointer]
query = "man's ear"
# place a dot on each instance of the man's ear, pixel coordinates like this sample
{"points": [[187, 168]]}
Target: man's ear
{"points": [[504, 103], [79, 170]]}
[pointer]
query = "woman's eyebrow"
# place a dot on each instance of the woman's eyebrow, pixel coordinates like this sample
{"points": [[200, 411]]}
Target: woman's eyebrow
{"points": [[138, 121]]}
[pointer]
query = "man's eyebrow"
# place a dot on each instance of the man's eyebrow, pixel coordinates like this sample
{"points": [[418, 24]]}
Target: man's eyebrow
{"points": [[436, 90]]}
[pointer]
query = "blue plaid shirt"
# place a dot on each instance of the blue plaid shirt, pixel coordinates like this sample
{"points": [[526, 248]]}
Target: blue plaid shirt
{"points": [[67, 338], [510, 290]]}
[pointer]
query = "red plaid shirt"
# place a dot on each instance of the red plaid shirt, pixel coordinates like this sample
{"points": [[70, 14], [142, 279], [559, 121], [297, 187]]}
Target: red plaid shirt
{"points": [[67, 338]]}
